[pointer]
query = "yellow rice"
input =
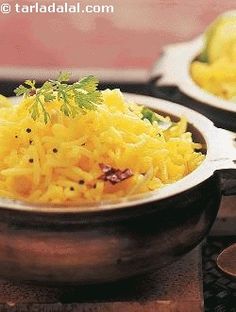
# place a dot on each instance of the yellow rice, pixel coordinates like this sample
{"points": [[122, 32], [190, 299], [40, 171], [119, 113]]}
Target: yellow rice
{"points": [[59, 162], [218, 78]]}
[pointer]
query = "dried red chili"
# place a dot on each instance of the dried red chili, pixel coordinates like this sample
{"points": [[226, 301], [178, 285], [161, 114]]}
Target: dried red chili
{"points": [[114, 175]]}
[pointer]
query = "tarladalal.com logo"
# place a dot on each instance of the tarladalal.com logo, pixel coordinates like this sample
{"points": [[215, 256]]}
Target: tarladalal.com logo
{"points": [[7, 8]]}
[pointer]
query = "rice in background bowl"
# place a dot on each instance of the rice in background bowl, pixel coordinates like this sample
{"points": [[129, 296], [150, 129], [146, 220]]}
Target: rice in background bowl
{"points": [[214, 70]]}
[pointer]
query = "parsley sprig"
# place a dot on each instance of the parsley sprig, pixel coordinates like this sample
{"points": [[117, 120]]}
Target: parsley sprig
{"points": [[74, 98], [152, 116]]}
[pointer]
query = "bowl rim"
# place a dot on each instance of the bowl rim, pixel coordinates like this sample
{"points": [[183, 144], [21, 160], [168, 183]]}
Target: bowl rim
{"points": [[203, 172], [178, 57]]}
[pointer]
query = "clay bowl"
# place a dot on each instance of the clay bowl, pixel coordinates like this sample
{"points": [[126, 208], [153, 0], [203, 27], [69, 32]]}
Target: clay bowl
{"points": [[108, 241]]}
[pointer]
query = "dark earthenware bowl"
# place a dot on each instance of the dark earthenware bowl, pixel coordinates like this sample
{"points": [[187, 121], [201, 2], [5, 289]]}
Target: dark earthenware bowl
{"points": [[109, 241], [171, 79]]}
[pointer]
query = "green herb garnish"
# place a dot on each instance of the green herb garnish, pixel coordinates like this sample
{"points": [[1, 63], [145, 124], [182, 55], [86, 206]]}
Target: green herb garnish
{"points": [[152, 116], [74, 98]]}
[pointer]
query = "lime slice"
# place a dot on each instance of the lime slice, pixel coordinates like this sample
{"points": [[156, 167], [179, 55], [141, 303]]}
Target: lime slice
{"points": [[220, 38]]}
